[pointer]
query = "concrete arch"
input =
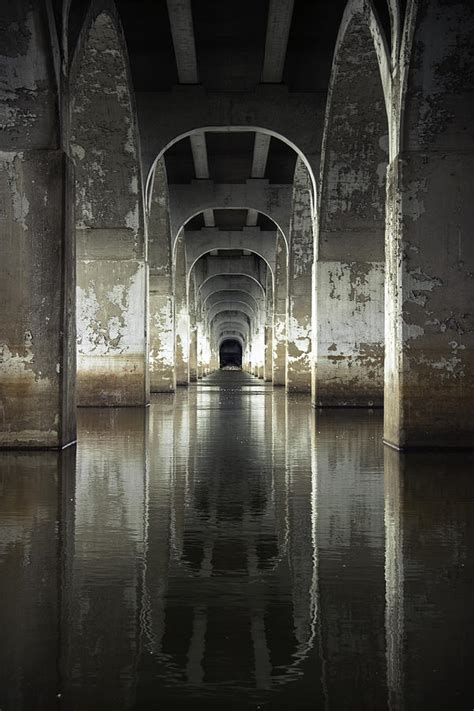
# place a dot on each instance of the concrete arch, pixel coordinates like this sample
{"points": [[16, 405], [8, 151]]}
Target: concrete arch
{"points": [[228, 335], [238, 296], [230, 306], [349, 347], [227, 277], [229, 129], [240, 283], [201, 242], [110, 230], [274, 202]]}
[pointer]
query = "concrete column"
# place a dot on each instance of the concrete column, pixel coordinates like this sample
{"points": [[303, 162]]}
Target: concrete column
{"points": [[112, 280], [279, 312], [298, 362], [193, 334], [161, 326], [349, 275], [429, 366], [37, 349], [181, 315], [268, 369], [37, 275]]}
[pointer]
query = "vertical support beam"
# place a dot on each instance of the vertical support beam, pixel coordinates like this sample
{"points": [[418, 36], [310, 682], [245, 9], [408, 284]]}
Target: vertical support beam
{"points": [[279, 312], [181, 315], [37, 325], [429, 364], [193, 328], [269, 301], [112, 270], [161, 326], [299, 338]]}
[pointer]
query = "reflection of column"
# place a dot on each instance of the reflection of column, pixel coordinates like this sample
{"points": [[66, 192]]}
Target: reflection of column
{"points": [[105, 576], [31, 536], [279, 312], [181, 314], [394, 575], [298, 363], [350, 536], [430, 539]]}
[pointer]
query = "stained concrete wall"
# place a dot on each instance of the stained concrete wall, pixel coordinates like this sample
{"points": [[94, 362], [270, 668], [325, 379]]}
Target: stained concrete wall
{"points": [[161, 326], [349, 274], [279, 312], [181, 313], [429, 371], [111, 266], [37, 359], [300, 261]]}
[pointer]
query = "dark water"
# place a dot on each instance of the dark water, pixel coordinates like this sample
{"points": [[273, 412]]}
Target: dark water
{"points": [[231, 548]]}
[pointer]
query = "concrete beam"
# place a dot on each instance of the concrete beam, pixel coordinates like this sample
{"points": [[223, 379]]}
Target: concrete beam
{"points": [[186, 201], [201, 167], [259, 164], [201, 242], [280, 13], [167, 116], [181, 21]]}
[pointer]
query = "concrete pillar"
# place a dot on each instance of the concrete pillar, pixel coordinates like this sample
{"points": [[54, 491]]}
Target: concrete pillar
{"points": [[349, 274], [181, 315], [298, 361], [37, 276], [161, 326], [429, 366], [268, 368], [279, 312], [112, 280]]}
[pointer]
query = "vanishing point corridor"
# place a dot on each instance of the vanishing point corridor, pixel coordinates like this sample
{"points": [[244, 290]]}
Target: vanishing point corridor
{"points": [[229, 548]]}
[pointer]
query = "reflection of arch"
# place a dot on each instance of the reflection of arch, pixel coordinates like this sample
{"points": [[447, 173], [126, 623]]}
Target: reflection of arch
{"points": [[230, 129]]}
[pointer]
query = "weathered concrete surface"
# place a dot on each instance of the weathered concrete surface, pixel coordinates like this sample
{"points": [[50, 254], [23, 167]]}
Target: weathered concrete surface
{"points": [[37, 358], [299, 337], [349, 277], [429, 368], [268, 364], [161, 304], [272, 200], [111, 269], [181, 314], [279, 313], [350, 334]]}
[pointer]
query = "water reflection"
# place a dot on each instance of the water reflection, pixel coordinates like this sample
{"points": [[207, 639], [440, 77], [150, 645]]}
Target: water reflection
{"points": [[231, 546]]}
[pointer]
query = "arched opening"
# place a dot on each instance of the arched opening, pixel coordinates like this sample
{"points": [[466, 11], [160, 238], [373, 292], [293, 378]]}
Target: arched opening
{"points": [[230, 355]]}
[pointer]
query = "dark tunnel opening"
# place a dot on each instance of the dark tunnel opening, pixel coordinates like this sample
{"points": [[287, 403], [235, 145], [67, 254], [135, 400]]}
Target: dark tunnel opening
{"points": [[230, 354]]}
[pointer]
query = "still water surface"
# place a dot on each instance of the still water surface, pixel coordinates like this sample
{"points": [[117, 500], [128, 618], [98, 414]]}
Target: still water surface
{"points": [[231, 548]]}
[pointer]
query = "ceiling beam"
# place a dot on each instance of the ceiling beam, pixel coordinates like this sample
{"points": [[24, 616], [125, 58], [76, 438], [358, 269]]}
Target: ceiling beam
{"points": [[181, 21], [201, 168], [278, 29], [259, 164]]}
